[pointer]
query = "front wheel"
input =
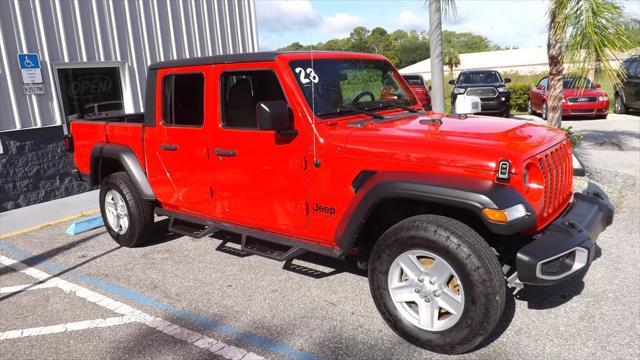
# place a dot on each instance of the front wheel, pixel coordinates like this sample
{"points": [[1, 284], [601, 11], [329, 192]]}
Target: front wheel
{"points": [[619, 105], [437, 283], [127, 216], [544, 111]]}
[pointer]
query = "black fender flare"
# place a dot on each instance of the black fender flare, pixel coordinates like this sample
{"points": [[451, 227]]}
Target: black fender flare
{"points": [[463, 192], [129, 161]]}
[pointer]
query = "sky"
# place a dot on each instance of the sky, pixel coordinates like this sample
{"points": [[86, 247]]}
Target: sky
{"points": [[508, 23]]}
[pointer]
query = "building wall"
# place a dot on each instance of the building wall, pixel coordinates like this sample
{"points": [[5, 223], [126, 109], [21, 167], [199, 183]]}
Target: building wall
{"points": [[136, 33]]}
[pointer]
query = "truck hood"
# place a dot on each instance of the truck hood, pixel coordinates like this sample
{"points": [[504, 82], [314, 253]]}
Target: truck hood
{"points": [[475, 142]]}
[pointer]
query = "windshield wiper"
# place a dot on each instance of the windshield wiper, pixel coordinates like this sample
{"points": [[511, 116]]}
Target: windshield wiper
{"points": [[352, 109], [381, 104]]}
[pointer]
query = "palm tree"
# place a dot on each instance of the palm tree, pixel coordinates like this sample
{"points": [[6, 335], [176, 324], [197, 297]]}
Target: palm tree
{"points": [[436, 8], [451, 59], [581, 33]]}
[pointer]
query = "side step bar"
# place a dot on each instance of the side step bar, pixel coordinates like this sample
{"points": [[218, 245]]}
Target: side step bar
{"points": [[254, 241], [188, 228]]}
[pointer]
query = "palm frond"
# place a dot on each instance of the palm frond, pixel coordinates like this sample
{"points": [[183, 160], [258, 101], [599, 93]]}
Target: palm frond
{"points": [[594, 32], [449, 9]]}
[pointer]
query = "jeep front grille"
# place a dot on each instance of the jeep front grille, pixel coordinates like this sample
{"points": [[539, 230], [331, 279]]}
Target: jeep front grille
{"points": [[557, 169], [482, 92]]}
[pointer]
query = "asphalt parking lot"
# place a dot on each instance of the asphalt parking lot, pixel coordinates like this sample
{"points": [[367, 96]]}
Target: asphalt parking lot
{"points": [[83, 296]]}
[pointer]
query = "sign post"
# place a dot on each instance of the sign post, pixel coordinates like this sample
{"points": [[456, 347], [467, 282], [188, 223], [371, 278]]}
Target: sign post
{"points": [[31, 73]]}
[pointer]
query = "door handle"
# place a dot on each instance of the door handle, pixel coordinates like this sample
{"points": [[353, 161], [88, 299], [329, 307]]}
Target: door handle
{"points": [[223, 152], [169, 147]]}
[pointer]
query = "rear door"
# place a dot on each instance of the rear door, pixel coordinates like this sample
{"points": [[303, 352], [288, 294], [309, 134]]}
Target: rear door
{"points": [[261, 179], [178, 148], [632, 88]]}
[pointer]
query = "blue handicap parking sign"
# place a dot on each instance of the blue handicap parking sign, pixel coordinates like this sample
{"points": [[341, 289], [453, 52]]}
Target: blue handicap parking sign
{"points": [[29, 61]]}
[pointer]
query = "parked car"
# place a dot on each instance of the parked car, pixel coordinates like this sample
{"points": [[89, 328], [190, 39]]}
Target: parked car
{"points": [[627, 96], [103, 109], [444, 211], [419, 88], [580, 97], [489, 86]]}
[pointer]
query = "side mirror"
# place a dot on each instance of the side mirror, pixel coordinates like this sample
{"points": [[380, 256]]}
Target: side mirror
{"points": [[598, 86], [507, 80], [452, 82], [273, 115], [540, 87]]}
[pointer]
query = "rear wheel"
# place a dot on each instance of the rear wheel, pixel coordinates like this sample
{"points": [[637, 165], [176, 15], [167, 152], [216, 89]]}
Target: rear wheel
{"points": [[619, 105], [127, 216], [437, 283]]}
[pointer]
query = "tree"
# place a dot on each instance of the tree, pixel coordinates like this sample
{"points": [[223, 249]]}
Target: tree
{"points": [[359, 39], [582, 32], [379, 40], [436, 8], [451, 59]]}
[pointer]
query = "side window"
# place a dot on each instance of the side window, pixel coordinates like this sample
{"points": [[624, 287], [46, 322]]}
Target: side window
{"points": [[634, 69], [183, 99], [241, 91], [544, 82]]}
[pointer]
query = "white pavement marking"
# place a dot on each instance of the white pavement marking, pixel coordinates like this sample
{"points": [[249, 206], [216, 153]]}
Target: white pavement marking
{"points": [[25, 287], [130, 315], [73, 326]]}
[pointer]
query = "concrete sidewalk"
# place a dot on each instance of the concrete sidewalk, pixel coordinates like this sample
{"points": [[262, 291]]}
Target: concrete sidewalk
{"points": [[33, 216]]}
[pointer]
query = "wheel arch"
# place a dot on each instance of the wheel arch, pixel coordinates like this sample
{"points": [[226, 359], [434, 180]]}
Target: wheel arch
{"points": [[387, 198], [108, 158]]}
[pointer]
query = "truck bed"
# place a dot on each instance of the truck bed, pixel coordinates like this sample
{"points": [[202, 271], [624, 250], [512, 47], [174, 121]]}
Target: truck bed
{"points": [[123, 129]]}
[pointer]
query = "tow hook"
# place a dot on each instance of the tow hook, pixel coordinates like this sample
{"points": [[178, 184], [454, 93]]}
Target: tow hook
{"points": [[573, 225]]}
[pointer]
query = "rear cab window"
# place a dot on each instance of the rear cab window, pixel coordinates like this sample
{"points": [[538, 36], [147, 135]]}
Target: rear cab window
{"points": [[183, 99]]}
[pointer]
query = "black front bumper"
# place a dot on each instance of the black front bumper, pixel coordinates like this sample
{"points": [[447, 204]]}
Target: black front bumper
{"points": [[568, 244]]}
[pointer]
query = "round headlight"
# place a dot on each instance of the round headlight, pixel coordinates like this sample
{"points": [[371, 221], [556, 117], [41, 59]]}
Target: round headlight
{"points": [[533, 181]]}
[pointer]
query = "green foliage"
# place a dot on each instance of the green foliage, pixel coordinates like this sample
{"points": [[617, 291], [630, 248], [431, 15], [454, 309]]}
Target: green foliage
{"points": [[359, 81], [633, 31], [466, 42], [519, 96], [402, 48], [451, 59], [576, 138]]}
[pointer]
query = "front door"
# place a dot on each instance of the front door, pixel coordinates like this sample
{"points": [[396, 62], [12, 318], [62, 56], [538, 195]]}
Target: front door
{"points": [[261, 178], [178, 148]]}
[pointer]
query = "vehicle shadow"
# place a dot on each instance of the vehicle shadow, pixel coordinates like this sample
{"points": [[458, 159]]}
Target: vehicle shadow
{"points": [[611, 139], [160, 234]]}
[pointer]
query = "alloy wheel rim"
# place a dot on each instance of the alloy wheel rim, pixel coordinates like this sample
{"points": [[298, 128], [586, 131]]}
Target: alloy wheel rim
{"points": [[426, 290], [116, 211], [618, 105]]}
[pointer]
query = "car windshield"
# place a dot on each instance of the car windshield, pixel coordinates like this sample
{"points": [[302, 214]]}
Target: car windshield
{"points": [[479, 77], [577, 83], [331, 86], [413, 79]]}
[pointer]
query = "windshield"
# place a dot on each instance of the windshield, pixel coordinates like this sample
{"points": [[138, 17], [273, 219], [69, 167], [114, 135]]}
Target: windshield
{"points": [[479, 77], [331, 84], [577, 83], [413, 79]]}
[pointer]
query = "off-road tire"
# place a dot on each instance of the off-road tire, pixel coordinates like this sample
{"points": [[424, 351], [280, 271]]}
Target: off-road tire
{"points": [[140, 211], [471, 258]]}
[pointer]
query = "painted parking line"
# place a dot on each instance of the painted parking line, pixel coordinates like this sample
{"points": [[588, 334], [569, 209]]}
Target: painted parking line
{"points": [[258, 341], [25, 287], [129, 313]]}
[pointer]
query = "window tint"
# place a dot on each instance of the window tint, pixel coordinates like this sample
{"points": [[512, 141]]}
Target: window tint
{"points": [[110, 106], [544, 82], [183, 99], [634, 68], [241, 91]]}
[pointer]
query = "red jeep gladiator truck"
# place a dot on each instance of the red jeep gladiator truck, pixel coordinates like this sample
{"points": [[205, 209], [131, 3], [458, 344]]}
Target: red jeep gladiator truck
{"points": [[329, 152]]}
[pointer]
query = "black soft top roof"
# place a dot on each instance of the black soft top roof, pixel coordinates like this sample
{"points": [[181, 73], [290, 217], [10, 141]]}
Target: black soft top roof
{"points": [[217, 59], [233, 58]]}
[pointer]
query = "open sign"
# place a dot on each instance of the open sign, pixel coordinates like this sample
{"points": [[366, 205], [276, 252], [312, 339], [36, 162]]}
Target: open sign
{"points": [[90, 86]]}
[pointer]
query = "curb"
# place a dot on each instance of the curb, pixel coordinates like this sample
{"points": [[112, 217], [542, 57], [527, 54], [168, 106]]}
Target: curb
{"points": [[50, 223]]}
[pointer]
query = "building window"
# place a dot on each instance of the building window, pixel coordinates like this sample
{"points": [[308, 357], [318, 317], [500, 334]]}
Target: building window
{"points": [[90, 92], [242, 91], [183, 99]]}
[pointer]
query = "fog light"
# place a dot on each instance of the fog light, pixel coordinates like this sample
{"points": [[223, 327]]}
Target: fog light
{"points": [[506, 215]]}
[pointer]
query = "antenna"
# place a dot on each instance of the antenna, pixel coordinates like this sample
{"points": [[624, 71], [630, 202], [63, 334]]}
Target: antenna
{"points": [[316, 161]]}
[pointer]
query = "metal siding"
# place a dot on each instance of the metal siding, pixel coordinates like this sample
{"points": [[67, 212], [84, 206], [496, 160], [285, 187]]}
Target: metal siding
{"points": [[137, 32]]}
